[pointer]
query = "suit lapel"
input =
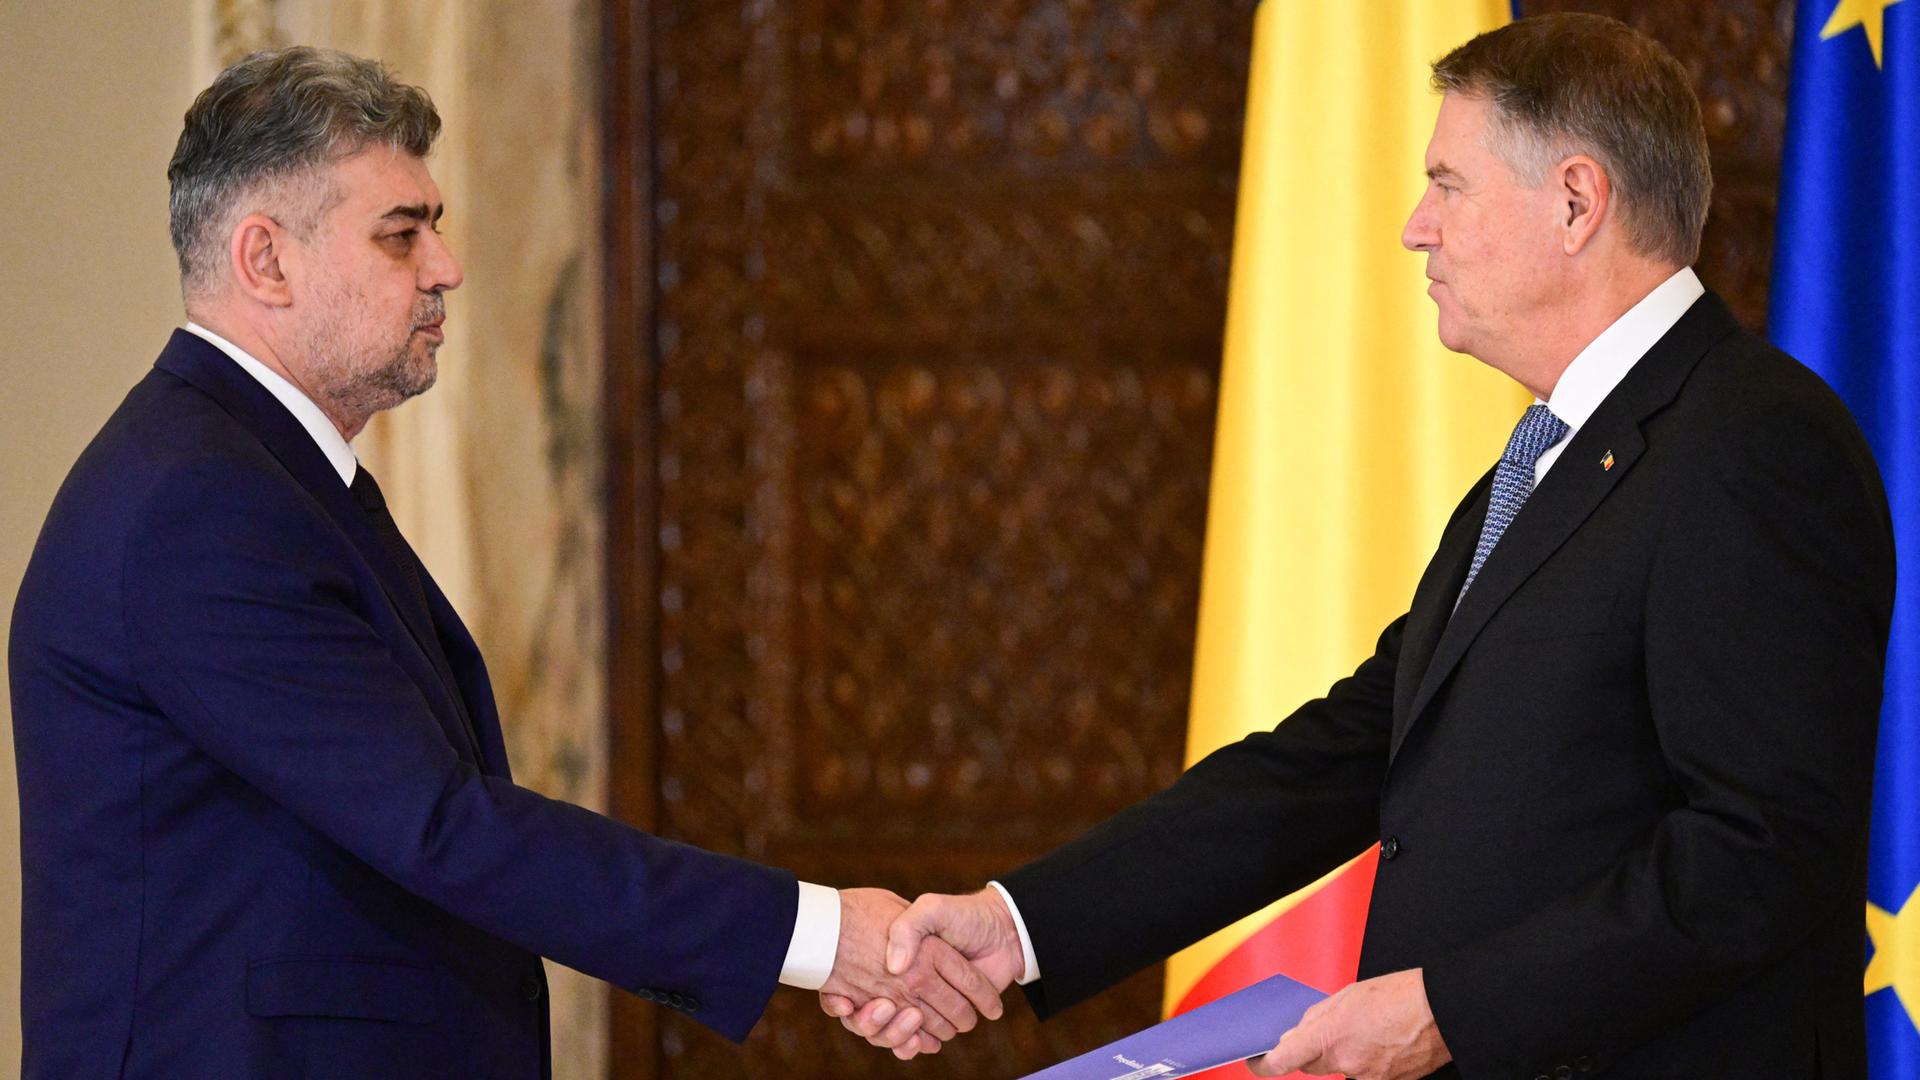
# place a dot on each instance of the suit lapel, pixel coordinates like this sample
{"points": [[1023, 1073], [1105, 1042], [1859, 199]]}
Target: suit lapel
{"points": [[1433, 597], [1572, 490], [469, 672], [195, 360]]}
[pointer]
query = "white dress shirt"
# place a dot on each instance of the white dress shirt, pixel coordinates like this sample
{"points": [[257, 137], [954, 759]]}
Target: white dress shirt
{"points": [[333, 444], [816, 925], [1582, 387], [1607, 359]]}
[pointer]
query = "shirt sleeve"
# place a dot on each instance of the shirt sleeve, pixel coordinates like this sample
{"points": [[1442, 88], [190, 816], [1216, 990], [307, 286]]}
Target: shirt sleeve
{"points": [[816, 938], [1031, 972]]}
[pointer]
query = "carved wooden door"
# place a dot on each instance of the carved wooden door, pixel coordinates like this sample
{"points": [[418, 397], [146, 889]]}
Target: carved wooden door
{"points": [[910, 477]]}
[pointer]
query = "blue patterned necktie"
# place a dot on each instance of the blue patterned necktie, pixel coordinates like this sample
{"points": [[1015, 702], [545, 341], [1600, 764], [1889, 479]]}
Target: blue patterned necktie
{"points": [[1536, 433]]}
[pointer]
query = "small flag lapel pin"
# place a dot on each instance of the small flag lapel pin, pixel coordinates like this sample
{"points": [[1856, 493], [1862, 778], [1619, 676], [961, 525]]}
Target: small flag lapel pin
{"points": [[1606, 463]]}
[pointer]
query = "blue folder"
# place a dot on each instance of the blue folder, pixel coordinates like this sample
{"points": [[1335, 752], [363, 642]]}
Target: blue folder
{"points": [[1234, 1028]]}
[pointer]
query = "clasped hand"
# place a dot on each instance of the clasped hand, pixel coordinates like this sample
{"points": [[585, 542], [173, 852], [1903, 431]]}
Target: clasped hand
{"points": [[946, 952], [914, 996], [1377, 1029]]}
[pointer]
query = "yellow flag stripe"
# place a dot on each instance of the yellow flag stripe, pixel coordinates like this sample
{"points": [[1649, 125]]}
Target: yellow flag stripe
{"points": [[1346, 433]]}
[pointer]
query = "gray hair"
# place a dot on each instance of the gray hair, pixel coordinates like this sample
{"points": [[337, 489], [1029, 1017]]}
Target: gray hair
{"points": [[262, 132], [1565, 84]]}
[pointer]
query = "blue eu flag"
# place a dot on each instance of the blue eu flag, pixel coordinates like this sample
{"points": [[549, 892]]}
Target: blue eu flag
{"points": [[1846, 300]]}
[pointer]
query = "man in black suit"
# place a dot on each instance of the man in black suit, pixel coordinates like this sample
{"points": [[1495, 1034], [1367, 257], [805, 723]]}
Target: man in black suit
{"points": [[1618, 751]]}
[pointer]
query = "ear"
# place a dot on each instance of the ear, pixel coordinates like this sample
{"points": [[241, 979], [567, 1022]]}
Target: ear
{"points": [[1587, 197], [255, 250]]}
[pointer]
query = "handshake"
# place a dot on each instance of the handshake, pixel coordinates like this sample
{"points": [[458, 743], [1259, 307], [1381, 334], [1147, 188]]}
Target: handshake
{"points": [[911, 977]]}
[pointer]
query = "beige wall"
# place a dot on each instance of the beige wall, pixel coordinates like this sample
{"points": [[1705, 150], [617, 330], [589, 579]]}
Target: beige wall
{"points": [[92, 96], [494, 475]]}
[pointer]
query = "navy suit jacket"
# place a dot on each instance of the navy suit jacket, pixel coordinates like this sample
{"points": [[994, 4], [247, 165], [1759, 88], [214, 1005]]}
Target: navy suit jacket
{"points": [[262, 833]]}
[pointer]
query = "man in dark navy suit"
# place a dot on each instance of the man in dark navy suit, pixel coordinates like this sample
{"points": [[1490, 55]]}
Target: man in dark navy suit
{"points": [[267, 823], [1618, 752]]}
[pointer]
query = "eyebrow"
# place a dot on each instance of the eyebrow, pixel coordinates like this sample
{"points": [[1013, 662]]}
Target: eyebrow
{"points": [[1442, 172], [416, 212]]}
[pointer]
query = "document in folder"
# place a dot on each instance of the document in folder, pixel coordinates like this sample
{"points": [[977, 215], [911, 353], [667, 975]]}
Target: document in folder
{"points": [[1234, 1028]]}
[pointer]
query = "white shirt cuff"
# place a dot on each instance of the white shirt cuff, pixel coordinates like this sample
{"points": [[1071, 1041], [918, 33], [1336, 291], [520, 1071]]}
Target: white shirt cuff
{"points": [[1032, 972], [816, 938]]}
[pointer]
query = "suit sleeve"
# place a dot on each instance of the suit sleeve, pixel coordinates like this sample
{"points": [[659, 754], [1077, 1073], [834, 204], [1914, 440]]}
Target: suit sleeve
{"points": [[1768, 602], [251, 644], [1246, 825]]}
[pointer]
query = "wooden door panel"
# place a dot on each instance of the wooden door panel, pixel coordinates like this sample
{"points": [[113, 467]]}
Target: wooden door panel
{"points": [[930, 350]]}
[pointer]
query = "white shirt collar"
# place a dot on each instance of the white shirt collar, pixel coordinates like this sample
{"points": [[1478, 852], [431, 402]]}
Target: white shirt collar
{"points": [[1607, 358], [339, 453]]}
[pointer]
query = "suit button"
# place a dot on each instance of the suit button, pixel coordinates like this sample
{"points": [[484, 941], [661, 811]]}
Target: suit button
{"points": [[1583, 1063], [675, 1001], [644, 994], [530, 988], [1564, 1072], [693, 1004], [1390, 850]]}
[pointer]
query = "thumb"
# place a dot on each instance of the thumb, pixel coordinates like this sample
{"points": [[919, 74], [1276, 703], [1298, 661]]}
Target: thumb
{"points": [[904, 936], [1288, 1055]]}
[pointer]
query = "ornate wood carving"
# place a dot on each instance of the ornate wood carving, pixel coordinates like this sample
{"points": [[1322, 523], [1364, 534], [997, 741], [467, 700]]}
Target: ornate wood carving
{"points": [[1021, 88], [996, 558], [936, 311]]}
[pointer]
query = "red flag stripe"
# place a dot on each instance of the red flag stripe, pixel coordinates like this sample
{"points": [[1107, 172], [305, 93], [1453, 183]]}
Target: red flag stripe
{"points": [[1317, 941]]}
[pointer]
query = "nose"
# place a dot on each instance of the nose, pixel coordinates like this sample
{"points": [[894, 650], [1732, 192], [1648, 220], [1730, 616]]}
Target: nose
{"points": [[1420, 233], [440, 272]]}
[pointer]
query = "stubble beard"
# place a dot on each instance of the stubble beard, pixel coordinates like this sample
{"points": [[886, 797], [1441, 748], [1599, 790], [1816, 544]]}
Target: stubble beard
{"points": [[360, 376]]}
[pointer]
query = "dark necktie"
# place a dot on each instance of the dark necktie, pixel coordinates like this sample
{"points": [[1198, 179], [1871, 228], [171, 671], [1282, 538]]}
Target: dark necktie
{"points": [[367, 493], [1536, 433]]}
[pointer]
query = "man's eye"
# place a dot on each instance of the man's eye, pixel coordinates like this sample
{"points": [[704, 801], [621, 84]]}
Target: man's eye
{"points": [[404, 234]]}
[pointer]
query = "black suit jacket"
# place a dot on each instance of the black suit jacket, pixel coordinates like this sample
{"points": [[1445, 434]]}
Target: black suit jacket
{"points": [[1622, 791]]}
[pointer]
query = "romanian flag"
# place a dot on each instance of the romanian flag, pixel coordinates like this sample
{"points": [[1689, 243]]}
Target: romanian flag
{"points": [[1346, 431], [1846, 301]]}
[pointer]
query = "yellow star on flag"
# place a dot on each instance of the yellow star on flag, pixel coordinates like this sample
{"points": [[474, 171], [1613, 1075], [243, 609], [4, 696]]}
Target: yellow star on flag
{"points": [[1869, 15], [1896, 954]]}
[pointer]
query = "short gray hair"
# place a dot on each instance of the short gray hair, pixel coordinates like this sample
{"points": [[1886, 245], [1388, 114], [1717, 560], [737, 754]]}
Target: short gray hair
{"points": [[1567, 83], [265, 127]]}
